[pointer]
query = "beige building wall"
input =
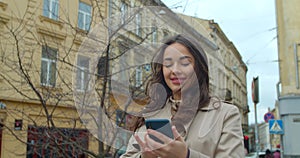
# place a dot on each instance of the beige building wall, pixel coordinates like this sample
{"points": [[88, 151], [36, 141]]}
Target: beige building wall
{"points": [[24, 31], [288, 31], [288, 45]]}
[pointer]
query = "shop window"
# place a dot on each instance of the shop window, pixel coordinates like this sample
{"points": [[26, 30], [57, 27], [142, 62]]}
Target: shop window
{"points": [[46, 142]]}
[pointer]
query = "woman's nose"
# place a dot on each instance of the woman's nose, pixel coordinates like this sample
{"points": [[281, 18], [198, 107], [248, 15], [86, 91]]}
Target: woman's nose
{"points": [[176, 68]]}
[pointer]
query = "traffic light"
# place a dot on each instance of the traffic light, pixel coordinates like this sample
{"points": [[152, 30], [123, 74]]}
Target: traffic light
{"points": [[255, 94]]}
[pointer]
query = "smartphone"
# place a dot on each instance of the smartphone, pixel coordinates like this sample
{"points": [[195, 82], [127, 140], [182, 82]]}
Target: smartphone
{"points": [[161, 125]]}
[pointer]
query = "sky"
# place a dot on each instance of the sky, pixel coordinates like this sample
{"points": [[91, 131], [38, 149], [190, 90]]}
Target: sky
{"points": [[251, 26]]}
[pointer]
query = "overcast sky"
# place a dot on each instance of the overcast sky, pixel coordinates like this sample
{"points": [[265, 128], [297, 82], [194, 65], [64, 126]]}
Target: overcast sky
{"points": [[251, 26]]}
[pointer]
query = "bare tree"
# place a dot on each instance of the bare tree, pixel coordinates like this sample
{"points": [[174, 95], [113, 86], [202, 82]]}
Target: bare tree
{"points": [[56, 77]]}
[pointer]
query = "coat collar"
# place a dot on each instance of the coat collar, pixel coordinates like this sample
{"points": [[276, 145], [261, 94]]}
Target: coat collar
{"points": [[213, 105]]}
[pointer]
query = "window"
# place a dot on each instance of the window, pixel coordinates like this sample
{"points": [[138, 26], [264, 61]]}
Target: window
{"points": [[138, 24], [121, 120], [84, 16], [82, 79], [50, 9], [154, 34], [147, 67], [48, 66], [45, 142], [138, 77], [101, 67], [124, 8]]}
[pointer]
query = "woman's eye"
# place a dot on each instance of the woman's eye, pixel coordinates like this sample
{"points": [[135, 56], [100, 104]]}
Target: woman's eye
{"points": [[167, 65], [185, 63]]}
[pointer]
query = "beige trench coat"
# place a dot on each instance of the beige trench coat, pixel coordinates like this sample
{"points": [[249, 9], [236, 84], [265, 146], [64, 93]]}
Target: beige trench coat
{"points": [[215, 132]]}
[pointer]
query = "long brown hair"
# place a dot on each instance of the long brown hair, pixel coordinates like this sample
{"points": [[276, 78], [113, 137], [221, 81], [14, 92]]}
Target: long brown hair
{"points": [[196, 97]]}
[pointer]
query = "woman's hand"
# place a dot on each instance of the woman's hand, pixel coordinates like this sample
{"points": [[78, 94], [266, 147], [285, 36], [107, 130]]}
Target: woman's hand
{"points": [[170, 149], [146, 151]]}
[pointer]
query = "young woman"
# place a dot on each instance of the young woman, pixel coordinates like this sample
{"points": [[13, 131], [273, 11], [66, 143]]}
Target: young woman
{"points": [[203, 126]]}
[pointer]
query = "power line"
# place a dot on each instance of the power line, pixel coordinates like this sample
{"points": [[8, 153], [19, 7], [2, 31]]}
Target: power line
{"points": [[176, 5], [258, 33], [264, 61], [248, 61], [186, 3]]}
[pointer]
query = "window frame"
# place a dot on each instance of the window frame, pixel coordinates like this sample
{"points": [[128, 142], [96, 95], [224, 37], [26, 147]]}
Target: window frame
{"points": [[48, 9], [49, 63], [154, 35], [124, 11], [85, 23], [138, 21], [84, 74], [138, 76]]}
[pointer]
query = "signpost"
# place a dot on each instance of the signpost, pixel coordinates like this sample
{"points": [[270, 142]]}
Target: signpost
{"points": [[276, 127], [255, 99], [268, 116]]}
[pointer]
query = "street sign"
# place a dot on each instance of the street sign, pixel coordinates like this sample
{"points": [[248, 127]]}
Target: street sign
{"points": [[255, 91], [268, 116], [276, 127]]}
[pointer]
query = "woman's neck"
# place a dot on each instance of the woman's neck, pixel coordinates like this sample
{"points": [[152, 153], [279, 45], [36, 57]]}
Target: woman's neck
{"points": [[176, 96]]}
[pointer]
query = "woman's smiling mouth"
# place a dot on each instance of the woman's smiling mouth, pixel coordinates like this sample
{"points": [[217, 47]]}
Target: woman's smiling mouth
{"points": [[177, 80]]}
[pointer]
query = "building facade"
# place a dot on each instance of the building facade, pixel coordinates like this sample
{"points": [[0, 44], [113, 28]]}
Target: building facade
{"points": [[57, 55], [288, 56], [39, 42]]}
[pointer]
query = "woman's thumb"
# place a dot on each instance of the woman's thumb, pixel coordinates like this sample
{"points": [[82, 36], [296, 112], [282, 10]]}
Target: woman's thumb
{"points": [[176, 134]]}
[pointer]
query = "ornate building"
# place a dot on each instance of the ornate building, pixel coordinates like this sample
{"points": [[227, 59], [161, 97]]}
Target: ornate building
{"points": [[70, 71], [289, 85]]}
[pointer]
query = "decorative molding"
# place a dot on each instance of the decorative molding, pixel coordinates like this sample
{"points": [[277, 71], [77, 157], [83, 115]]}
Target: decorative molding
{"points": [[3, 6], [78, 41], [81, 31], [51, 33], [55, 22], [80, 35], [4, 18], [2, 116]]}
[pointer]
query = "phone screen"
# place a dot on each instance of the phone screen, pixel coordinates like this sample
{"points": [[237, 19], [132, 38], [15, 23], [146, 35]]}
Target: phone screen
{"points": [[161, 125]]}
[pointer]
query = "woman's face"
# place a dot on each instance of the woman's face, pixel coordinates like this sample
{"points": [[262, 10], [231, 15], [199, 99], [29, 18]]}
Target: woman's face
{"points": [[178, 68]]}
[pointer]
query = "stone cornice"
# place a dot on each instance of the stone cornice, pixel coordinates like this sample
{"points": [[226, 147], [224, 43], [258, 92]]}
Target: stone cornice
{"points": [[55, 22], [3, 6], [47, 32], [4, 18]]}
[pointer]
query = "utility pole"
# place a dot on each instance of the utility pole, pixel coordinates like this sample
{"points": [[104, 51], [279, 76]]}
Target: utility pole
{"points": [[256, 131], [255, 99]]}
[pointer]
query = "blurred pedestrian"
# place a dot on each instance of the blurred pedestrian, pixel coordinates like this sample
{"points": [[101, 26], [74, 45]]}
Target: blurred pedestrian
{"points": [[276, 154], [246, 151], [268, 154]]}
